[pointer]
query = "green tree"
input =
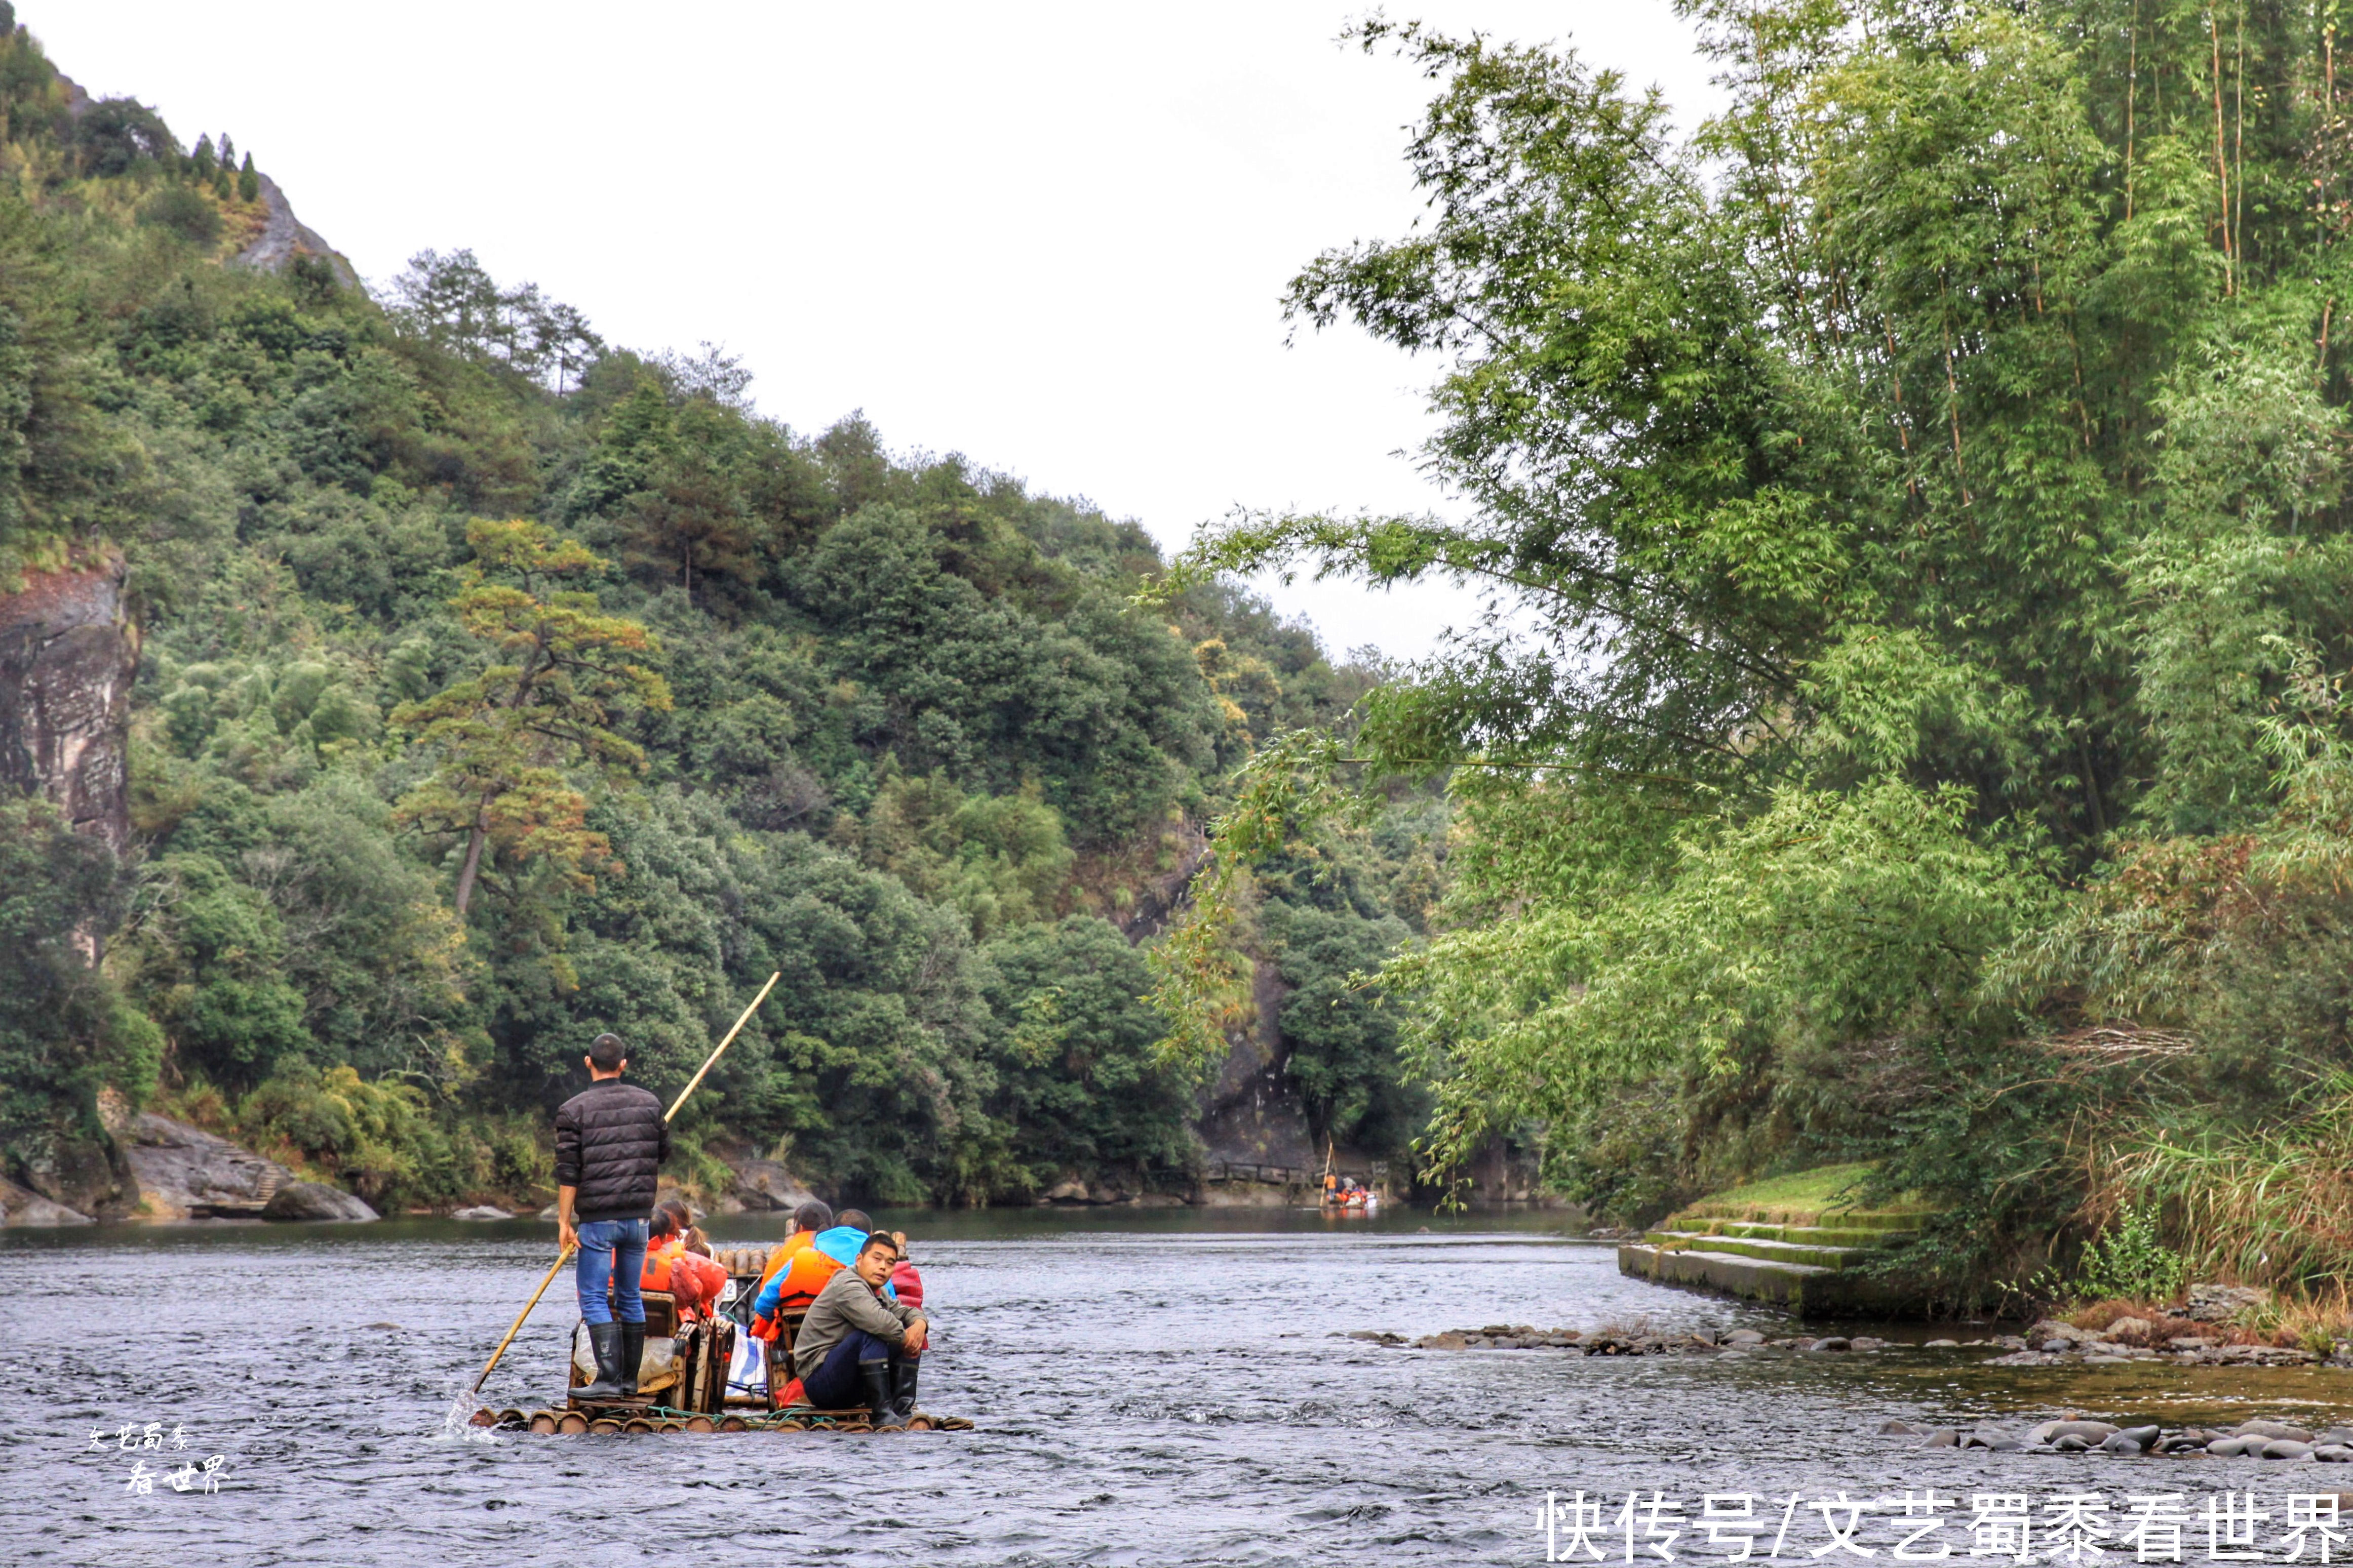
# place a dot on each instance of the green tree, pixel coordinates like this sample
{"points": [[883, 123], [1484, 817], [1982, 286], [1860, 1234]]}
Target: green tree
{"points": [[505, 736], [248, 182], [65, 1030], [1911, 490]]}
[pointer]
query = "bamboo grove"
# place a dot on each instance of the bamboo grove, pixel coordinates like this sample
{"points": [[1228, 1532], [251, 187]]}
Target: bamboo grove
{"points": [[1907, 724]]}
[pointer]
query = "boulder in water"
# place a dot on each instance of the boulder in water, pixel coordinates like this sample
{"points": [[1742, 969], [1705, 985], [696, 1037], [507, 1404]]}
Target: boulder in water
{"points": [[482, 1211], [2089, 1431], [315, 1201], [2286, 1448]]}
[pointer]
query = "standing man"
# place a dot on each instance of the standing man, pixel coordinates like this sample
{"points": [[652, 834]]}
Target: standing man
{"points": [[610, 1143]]}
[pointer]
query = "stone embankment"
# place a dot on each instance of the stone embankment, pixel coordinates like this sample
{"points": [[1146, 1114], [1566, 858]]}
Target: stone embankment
{"points": [[1796, 1243]]}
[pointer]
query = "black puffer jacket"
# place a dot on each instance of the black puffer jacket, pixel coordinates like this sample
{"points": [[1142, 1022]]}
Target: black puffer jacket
{"points": [[610, 1142]]}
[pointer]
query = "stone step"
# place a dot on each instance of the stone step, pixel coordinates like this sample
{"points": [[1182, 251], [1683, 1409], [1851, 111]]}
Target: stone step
{"points": [[1840, 1218], [1756, 1247], [1800, 1288], [1812, 1235]]}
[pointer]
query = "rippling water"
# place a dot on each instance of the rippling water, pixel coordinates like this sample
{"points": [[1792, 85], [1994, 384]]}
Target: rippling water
{"points": [[1150, 1389]]}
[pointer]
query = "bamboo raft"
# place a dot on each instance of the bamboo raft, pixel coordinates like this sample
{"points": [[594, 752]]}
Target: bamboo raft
{"points": [[695, 1393]]}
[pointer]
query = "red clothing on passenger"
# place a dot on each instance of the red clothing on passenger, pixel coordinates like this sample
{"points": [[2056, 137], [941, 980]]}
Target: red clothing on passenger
{"points": [[908, 1283], [693, 1281]]}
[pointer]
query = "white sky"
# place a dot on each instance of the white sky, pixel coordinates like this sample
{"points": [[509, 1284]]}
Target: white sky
{"points": [[1052, 237]]}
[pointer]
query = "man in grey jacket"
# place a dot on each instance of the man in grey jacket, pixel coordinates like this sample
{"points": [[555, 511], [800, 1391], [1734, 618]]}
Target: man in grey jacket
{"points": [[857, 1344]]}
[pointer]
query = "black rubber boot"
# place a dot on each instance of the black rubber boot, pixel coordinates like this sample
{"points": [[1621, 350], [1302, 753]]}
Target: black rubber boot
{"points": [[903, 1387], [880, 1414], [633, 1356], [604, 1339]]}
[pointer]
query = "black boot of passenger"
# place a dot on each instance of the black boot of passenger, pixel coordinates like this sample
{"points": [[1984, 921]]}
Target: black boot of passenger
{"points": [[604, 1339], [880, 1413], [903, 1372], [633, 1356]]}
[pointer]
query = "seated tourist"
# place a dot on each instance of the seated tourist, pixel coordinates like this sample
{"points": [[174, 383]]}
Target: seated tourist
{"points": [[848, 1235], [808, 1220], [690, 1234], [797, 1271], [906, 1285], [856, 1347], [843, 1239], [693, 1281]]}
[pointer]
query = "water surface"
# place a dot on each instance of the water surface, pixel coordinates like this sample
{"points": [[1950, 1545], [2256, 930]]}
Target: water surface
{"points": [[1150, 1388]]}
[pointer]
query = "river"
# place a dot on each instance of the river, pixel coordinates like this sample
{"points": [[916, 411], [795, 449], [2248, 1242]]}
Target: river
{"points": [[1156, 1388]]}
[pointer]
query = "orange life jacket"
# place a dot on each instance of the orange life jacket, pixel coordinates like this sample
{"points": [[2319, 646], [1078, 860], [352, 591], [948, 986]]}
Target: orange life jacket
{"points": [[804, 1277], [805, 1274], [784, 1255]]}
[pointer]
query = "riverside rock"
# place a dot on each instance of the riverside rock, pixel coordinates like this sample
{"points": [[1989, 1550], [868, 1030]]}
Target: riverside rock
{"points": [[2086, 1432], [2286, 1448], [2271, 1429], [315, 1201], [187, 1172], [22, 1205], [2221, 1303]]}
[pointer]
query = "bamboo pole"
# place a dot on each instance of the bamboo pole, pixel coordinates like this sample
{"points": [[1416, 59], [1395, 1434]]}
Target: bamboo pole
{"points": [[691, 1084]]}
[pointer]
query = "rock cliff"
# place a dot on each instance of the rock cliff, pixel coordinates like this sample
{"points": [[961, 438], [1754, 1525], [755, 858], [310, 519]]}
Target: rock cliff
{"points": [[285, 238], [68, 654]]}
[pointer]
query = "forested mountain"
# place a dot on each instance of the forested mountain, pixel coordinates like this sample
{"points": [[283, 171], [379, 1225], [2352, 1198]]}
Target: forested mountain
{"points": [[1916, 732], [499, 686]]}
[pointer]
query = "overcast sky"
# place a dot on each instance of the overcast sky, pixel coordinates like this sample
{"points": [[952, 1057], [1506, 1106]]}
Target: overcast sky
{"points": [[1051, 237]]}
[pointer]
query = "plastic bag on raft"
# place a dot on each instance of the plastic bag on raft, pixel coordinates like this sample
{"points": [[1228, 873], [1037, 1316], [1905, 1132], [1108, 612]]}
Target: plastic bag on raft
{"points": [[747, 1369], [657, 1369]]}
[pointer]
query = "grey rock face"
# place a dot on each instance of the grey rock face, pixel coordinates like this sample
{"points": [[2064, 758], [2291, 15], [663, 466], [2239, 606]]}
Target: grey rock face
{"points": [[68, 654], [766, 1185], [285, 238], [186, 1173], [315, 1201]]}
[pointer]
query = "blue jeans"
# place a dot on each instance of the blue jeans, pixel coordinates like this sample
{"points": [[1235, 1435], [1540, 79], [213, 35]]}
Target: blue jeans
{"points": [[613, 1250]]}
